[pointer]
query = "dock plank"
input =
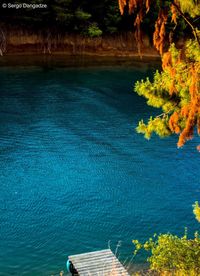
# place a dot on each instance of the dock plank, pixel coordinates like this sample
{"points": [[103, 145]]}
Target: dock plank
{"points": [[98, 263]]}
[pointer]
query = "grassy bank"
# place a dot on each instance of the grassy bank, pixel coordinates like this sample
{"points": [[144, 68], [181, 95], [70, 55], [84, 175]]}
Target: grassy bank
{"points": [[26, 42]]}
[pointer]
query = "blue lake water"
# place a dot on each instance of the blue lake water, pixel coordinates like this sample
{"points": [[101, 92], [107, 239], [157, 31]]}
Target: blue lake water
{"points": [[75, 175]]}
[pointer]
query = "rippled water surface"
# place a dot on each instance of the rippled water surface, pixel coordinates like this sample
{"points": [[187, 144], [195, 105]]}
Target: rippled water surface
{"points": [[73, 172]]}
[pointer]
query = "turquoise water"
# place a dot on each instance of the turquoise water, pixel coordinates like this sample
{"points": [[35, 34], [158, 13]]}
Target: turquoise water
{"points": [[74, 175]]}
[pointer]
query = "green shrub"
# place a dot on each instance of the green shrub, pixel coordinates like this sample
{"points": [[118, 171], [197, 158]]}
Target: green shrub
{"points": [[170, 253], [93, 30]]}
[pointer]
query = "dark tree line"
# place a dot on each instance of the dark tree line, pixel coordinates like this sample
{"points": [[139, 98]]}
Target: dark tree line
{"points": [[86, 17]]}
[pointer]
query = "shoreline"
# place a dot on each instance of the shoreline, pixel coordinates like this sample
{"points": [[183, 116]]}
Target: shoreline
{"points": [[63, 59], [21, 42], [146, 53], [119, 54]]}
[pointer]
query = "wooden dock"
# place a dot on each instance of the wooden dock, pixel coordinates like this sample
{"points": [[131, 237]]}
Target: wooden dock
{"points": [[98, 263]]}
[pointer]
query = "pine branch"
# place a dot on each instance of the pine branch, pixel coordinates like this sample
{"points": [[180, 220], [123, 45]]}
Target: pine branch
{"points": [[187, 21]]}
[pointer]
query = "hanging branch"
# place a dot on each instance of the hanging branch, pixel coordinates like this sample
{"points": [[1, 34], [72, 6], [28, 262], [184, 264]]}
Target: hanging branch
{"points": [[188, 22]]}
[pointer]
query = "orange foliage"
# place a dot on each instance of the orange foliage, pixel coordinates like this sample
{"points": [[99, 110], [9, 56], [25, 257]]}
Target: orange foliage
{"points": [[173, 123], [133, 5], [122, 4], [187, 133], [138, 35], [147, 5], [191, 111], [188, 115], [140, 6], [172, 89], [185, 111], [174, 13], [159, 33], [167, 60]]}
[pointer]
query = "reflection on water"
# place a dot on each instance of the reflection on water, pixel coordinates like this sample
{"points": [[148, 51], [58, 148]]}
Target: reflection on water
{"points": [[73, 172]]}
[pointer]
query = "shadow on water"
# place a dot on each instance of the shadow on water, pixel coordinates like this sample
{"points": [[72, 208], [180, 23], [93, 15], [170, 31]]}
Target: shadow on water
{"points": [[48, 62]]}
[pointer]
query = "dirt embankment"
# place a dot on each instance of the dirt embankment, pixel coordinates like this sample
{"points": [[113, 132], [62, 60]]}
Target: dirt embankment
{"points": [[24, 42]]}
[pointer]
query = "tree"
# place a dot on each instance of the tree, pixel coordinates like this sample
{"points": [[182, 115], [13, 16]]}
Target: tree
{"points": [[196, 211], [176, 89], [173, 255], [65, 16]]}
